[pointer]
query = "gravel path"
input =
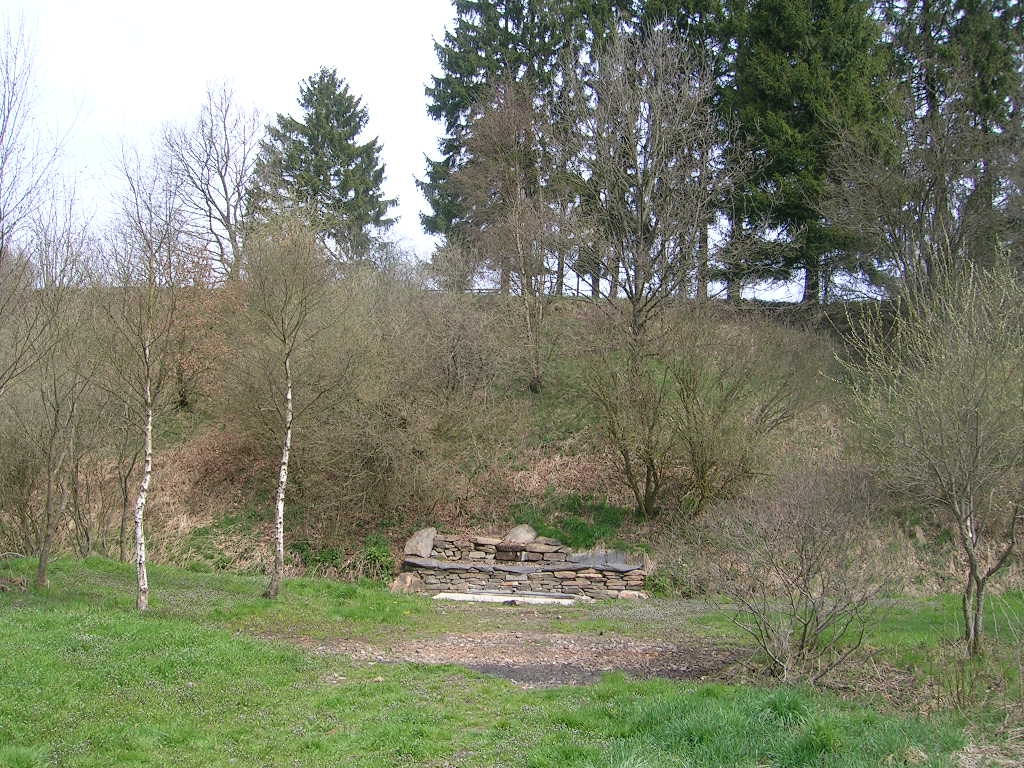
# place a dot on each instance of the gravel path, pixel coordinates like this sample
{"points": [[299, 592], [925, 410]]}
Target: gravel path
{"points": [[545, 659]]}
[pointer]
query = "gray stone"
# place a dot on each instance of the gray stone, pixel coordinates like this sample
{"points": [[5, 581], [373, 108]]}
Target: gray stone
{"points": [[421, 543], [517, 538], [630, 594]]}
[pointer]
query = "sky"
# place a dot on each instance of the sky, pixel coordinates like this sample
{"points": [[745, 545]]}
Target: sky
{"points": [[111, 73]]}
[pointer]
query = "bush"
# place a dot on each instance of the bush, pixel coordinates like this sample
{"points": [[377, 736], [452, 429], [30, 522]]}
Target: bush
{"points": [[801, 573]]}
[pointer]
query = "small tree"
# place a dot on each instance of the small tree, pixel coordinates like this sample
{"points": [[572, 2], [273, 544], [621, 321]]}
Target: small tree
{"points": [[800, 571], [150, 260], [735, 381], [508, 220], [940, 398], [289, 292], [639, 147]]}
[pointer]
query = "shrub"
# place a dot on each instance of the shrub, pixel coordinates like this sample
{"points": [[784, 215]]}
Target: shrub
{"points": [[801, 572]]}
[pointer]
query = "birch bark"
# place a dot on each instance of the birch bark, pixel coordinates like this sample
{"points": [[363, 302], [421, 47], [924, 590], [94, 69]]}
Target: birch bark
{"points": [[282, 484]]}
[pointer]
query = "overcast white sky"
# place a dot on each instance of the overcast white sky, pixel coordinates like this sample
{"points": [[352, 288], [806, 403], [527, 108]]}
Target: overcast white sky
{"points": [[114, 71]]}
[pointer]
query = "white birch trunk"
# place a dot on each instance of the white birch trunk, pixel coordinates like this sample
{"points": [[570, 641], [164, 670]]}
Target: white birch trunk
{"points": [[282, 484], [142, 603]]}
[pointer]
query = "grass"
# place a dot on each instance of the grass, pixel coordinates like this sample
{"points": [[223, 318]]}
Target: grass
{"points": [[580, 522], [86, 681]]}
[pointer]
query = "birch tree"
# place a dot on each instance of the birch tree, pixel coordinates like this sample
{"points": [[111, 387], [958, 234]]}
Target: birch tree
{"points": [[149, 263], [289, 292]]}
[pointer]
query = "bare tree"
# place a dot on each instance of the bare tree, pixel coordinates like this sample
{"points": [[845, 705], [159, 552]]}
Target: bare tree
{"points": [[62, 374], [940, 398], [510, 220], [945, 193], [639, 139], [289, 290], [735, 381], [644, 143], [150, 260], [799, 572], [212, 161], [25, 165]]}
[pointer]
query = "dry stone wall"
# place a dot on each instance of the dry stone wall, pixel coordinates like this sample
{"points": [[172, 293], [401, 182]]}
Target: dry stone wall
{"points": [[521, 562]]}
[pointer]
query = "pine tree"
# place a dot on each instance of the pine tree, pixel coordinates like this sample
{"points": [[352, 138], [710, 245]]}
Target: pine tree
{"points": [[317, 166], [806, 71]]}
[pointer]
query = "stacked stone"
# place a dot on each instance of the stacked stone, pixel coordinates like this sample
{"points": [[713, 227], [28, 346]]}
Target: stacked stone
{"points": [[520, 562], [481, 548]]}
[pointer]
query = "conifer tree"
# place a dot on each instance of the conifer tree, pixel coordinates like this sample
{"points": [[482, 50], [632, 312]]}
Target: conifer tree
{"points": [[318, 166], [805, 72]]}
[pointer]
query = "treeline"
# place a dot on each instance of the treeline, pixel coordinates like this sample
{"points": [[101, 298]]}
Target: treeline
{"points": [[842, 142]]}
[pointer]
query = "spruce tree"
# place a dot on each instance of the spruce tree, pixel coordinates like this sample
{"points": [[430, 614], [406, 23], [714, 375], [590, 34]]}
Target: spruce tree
{"points": [[318, 166], [806, 71], [492, 42]]}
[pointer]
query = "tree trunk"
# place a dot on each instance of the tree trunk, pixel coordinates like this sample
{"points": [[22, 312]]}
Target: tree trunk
{"points": [[142, 602], [812, 282], [282, 483], [702, 266]]}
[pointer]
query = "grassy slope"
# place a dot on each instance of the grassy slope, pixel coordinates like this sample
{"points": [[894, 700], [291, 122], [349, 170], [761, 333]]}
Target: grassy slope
{"points": [[85, 681]]}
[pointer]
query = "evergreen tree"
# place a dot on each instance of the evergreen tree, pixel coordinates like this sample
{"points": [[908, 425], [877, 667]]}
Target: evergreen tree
{"points": [[492, 42], [962, 65], [806, 71], [317, 166]]}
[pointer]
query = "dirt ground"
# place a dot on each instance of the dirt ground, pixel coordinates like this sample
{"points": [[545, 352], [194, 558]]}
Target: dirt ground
{"points": [[534, 659]]}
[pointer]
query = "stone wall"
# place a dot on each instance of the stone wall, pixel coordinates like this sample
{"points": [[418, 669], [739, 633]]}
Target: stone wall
{"points": [[521, 562]]}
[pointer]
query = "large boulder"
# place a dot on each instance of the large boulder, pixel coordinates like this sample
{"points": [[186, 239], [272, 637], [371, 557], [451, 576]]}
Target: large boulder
{"points": [[421, 543], [517, 538]]}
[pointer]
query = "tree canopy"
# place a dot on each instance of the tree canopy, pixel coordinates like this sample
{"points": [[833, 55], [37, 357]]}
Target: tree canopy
{"points": [[318, 165]]}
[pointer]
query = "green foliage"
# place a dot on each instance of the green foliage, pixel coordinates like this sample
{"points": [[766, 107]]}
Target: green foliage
{"points": [[317, 165], [806, 71], [378, 562], [314, 557], [580, 522]]}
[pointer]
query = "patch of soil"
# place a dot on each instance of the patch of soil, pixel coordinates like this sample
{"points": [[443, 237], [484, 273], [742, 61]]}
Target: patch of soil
{"points": [[545, 659]]}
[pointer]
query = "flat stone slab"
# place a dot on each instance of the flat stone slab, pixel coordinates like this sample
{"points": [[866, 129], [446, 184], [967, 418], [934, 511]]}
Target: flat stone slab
{"points": [[517, 598], [607, 559], [453, 565]]}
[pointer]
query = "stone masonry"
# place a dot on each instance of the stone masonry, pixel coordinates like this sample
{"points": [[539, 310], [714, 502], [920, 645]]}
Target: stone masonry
{"points": [[521, 562]]}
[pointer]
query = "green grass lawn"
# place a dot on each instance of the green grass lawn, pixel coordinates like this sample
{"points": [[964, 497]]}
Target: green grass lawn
{"points": [[86, 681]]}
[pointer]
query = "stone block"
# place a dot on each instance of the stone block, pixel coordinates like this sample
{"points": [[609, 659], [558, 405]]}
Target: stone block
{"points": [[486, 541], [406, 583], [421, 543], [542, 548]]}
